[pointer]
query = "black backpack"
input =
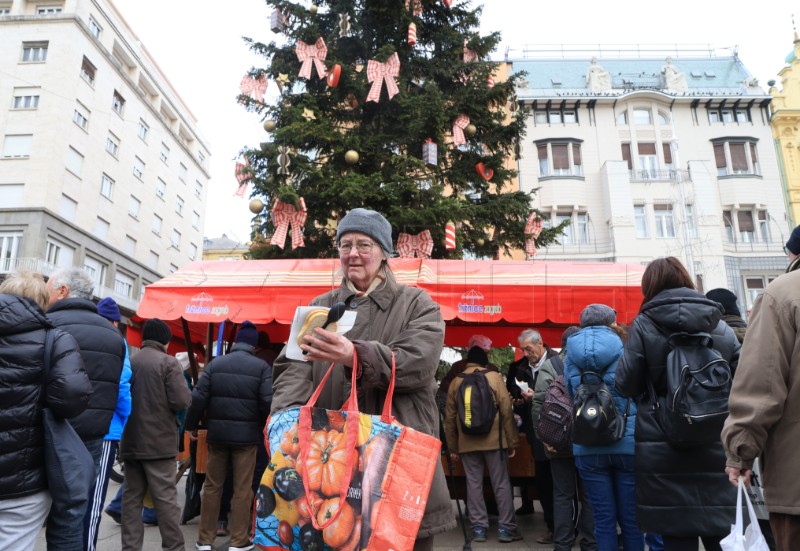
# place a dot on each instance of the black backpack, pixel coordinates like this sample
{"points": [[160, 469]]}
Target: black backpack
{"points": [[476, 404], [554, 426], [596, 420], [698, 385]]}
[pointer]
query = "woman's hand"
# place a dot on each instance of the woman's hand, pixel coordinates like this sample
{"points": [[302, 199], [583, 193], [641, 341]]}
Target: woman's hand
{"points": [[326, 346]]}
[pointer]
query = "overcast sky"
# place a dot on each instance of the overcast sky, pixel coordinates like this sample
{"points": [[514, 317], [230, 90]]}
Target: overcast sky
{"points": [[198, 45]]}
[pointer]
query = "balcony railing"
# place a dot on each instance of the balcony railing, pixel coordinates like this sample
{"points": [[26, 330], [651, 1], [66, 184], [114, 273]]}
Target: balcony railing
{"points": [[661, 175]]}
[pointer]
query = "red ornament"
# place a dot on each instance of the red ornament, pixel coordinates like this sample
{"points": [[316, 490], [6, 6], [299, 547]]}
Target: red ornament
{"points": [[333, 76], [450, 236], [448, 3], [486, 173], [490, 82], [412, 33]]}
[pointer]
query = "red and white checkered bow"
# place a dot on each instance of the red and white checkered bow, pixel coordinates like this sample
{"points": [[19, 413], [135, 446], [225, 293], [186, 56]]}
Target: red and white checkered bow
{"points": [[469, 55], [414, 6], [284, 215], [243, 177], [459, 125], [307, 53], [533, 227], [377, 72], [254, 87], [421, 244]]}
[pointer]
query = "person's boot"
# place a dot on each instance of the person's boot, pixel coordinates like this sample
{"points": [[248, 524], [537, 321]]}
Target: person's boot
{"points": [[526, 509]]}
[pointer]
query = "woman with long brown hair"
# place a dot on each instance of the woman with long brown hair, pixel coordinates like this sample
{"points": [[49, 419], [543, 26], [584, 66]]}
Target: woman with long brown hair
{"points": [[682, 492]]}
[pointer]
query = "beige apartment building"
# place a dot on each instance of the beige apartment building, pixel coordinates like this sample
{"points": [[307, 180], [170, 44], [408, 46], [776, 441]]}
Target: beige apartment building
{"points": [[785, 122], [651, 153], [102, 165]]}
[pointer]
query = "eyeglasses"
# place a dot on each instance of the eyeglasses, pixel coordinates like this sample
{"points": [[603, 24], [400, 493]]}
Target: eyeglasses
{"points": [[363, 247]]}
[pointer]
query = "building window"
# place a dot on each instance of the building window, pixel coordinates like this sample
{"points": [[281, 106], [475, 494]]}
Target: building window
{"points": [[118, 103], [559, 159], [33, 52], [101, 228], [48, 10], [164, 153], [691, 225], [138, 167], [665, 221], [12, 195], [161, 188], [736, 157], [662, 119], [130, 245], [152, 260], [9, 249], [648, 161], [67, 208], [23, 99], [134, 206], [97, 271], [144, 130], [746, 229], [182, 171], [763, 226], [88, 71], [667, 149], [566, 237], [123, 285], [195, 220], [179, 205], [754, 286], [176, 239], [198, 189], [622, 119], [718, 114], [192, 251], [201, 158], [173, 268], [112, 144], [107, 187], [640, 220], [94, 28], [81, 117], [727, 220], [5, 10], [74, 161], [59, 254], [155, 227], [17, 145], [642, 117]]}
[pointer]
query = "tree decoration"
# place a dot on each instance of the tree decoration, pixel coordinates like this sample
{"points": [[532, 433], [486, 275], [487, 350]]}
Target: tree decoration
{"points": [[351, 157], [448, 3], [334, 75], [344, 25], [313, 9], [283, 160], [470, 130], [308, 53], [485, 172], [285, 215], [450, 236], [308, 114], [414, 6], [269, 125], [533, 227], [282, 80], [469, 56], [378, 72], [489, 82], [243, 176], [430, 152], [277, 21], [256, 205], [254, 88], [409, 245], [459, 125], [412, 34]]}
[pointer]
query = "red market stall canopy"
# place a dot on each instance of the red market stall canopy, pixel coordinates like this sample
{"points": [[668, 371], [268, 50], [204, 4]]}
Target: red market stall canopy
{"points": [[495, 298]]}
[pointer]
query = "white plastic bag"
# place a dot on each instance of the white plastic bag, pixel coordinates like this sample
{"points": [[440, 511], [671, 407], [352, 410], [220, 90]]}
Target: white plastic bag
{"points": [[740, 539], [756, 492]]}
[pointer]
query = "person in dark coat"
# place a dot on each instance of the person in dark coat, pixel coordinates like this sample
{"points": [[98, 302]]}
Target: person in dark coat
{"points": [[24, 499], [682, 493], [235, 393], [792, 250], [103, 351], [731, 314], [150, 439]]}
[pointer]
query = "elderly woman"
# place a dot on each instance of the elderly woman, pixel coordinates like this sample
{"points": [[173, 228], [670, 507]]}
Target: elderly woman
{"points": [[391, 319]]}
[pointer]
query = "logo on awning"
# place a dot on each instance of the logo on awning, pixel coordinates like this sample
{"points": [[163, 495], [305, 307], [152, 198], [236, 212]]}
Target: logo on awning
{"points": [[202, 308], [474, 304]]}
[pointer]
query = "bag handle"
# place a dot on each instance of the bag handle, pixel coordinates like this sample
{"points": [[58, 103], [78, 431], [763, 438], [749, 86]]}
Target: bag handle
{"points": [[756, 529]]}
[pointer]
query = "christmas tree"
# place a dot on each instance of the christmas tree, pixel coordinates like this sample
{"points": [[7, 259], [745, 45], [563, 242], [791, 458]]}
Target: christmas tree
{"points": [[388, 105]]}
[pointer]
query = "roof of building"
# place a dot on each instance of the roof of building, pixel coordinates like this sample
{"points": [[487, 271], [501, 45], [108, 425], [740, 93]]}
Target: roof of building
{"points": [[223, 243]]}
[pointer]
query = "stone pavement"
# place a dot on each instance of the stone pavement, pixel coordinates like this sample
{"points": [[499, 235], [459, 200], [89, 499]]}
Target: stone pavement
{"points": [[109, 536]]}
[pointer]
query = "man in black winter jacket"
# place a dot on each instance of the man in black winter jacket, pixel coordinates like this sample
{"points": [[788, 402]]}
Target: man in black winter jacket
{"points": [[103, 351], [235, 392]]}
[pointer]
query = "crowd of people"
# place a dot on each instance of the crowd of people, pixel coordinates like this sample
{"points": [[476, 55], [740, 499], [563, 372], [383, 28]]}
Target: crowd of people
{"points": [[634, 489]]}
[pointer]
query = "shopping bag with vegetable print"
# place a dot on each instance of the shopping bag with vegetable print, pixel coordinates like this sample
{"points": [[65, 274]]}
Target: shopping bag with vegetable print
{"points": [[343, 480]]}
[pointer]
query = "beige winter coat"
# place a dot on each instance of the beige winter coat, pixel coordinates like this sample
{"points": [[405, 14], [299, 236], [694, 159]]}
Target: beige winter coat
{"points": [[391, 319], [765, 400], [458, 442]]}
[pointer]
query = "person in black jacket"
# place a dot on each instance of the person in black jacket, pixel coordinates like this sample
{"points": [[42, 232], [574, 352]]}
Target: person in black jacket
{"points": [[24, 499], [103, 351], [235, 393], [681, 493]]}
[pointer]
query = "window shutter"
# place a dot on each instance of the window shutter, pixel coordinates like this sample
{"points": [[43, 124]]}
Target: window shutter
{"points": [[745, 220], [663, 207], [753, 153], [647, 149], [626, 154], [719, 155], [762, 215], [560, 156], [738, 157], [667, 153], [576, 154], [726, 218], [542, 152]]}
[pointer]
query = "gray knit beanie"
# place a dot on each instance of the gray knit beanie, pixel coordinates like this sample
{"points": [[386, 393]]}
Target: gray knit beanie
{"points": [[598, 314], [368, 222]]}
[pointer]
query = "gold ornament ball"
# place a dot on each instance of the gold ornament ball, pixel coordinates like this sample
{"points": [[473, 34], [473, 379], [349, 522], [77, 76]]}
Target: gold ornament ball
{"points": [[313, 8], [256, 206], [470, 130], [351, 157], [269, 125], [270, 180], [480, 241]]}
